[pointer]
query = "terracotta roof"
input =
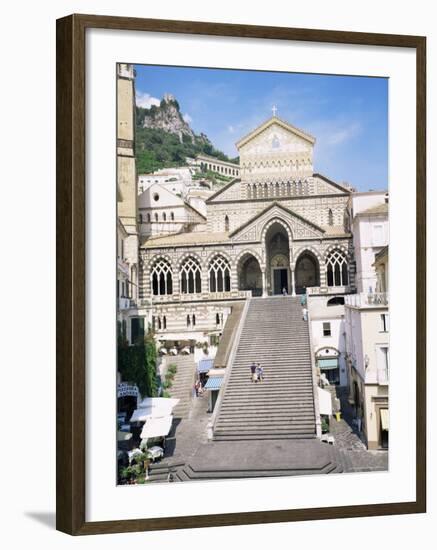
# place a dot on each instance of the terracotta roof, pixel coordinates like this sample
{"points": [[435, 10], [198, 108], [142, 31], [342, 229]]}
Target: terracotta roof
{"points": [[379, 209], [190, 239], [334, 230]]}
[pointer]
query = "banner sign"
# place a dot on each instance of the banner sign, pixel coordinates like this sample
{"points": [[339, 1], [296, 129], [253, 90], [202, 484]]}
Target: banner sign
{"points": [[127, 390]]}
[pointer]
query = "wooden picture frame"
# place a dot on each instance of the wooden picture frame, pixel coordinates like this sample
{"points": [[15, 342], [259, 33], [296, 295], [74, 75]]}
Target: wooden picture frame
{"points": [[71, 287]]}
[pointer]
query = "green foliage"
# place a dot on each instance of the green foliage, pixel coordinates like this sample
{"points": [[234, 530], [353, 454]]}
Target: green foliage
{"points": [[166, 393], [216, 179], [324, 424], [172, 368], [137, 364], [155, 148]]}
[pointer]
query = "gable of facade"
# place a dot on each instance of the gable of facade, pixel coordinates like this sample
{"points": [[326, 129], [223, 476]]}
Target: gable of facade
{"points": [[254, 228]]}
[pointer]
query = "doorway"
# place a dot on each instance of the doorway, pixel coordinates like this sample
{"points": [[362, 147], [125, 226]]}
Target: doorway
{"points": [[280, 279]]}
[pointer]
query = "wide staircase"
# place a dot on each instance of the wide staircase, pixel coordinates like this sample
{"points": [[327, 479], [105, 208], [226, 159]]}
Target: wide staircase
{"points": [[282, 405], [182, 387]]}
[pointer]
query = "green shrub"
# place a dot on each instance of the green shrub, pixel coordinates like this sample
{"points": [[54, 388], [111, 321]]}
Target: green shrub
{"points": [[325, 425], [137, 365], [172, 368]]}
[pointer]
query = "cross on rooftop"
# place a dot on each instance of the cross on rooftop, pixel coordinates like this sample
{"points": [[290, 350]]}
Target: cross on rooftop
{"points": [[274, 109]]}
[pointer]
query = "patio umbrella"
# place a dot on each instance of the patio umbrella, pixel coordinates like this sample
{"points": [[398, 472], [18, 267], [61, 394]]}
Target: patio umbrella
{"points": [[123, 436], [157, 427]]}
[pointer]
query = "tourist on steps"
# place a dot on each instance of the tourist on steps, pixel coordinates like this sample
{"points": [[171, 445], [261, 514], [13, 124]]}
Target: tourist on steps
{"points": [[260, 372], [253, 376], [305, 314], [284, 291]]}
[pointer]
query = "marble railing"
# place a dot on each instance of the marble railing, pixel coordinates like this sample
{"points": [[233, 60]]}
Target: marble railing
{"points": [[196, 297], [365, 299], [328, 290]]}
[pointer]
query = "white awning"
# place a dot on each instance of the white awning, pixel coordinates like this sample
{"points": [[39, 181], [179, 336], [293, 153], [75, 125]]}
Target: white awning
{"points": [[155, 407], [325, 402], [384, 419], [157, 427]]}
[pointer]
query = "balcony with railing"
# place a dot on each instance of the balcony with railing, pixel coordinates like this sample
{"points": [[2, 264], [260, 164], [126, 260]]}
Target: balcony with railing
{"points": [[364, 299]]}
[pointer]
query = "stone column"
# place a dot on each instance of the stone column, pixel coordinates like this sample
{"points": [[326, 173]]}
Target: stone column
{"points": [[234, 278], [263, 273], [293, 285]]}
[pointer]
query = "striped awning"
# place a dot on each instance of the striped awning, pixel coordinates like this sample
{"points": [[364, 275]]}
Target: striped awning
{"points": [[384, 419], [205, 365], [327, 364], [214, 383]]}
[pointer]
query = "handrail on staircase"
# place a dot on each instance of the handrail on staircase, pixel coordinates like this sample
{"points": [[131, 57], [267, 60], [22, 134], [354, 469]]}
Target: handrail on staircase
{"points": [[314, 378], [230, 361]]}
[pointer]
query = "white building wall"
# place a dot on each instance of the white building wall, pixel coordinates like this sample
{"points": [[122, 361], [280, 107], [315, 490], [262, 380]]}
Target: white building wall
{"points": [[319, 313]]}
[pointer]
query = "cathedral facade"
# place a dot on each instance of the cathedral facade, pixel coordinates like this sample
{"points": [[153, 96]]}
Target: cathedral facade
{"points": [[278, 228]]}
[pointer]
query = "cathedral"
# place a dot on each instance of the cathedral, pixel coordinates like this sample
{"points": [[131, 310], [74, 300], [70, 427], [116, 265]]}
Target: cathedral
{"points": [[278, 228], [199, 267]]}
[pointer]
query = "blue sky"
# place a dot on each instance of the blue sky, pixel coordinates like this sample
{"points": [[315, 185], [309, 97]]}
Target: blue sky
{"points": [[348, 116]]}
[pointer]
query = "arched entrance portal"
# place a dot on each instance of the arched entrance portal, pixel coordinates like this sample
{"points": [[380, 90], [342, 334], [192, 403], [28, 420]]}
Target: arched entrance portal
{"points": [[249, 275], [278, 258], [307, 272]]}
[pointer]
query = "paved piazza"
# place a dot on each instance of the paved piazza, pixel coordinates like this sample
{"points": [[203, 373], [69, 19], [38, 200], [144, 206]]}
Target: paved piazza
{"points": [[188, 449]]}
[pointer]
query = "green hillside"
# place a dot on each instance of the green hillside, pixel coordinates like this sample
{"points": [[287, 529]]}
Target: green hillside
{"points": [[157, 148]]}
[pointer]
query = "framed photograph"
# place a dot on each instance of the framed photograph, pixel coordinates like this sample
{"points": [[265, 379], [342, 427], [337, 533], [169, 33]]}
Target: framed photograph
{"points": [[241, 274]]}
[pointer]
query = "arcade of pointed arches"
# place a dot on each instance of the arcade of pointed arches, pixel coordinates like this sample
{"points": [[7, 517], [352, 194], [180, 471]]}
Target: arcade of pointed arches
{"points": [[248, 272]]}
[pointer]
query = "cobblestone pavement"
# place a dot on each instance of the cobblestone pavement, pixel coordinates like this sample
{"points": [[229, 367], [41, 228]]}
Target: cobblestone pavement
{"points": [[189, 433], [348, 441], [188, 444]]}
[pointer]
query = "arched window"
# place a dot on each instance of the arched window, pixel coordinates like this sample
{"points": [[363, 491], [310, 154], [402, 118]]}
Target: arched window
{"points": [[194, 320], [190, 275], [226, 223], [217, 319], [156, 216], [172, 216], [337, 273], [161, 278], [159, 323], [330, 217], [140, 218], [165, 322], [219, 273], [255, 191], [148, 218], [188, 321], [164, 216]]}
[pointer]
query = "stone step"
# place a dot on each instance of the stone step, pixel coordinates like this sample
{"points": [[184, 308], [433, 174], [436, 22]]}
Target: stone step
{"points": [[282, 405]]}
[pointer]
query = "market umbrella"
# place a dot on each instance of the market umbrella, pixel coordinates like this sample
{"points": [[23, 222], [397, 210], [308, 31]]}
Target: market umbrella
{"points": [[124, 436]]}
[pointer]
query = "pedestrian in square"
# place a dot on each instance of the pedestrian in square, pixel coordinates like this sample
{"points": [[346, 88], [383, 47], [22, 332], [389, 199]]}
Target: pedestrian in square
{"points": [[305, 314]]}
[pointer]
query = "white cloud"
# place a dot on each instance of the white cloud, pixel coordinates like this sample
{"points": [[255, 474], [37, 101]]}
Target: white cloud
{"points": [[343, 134], [231, 129], [145, 100], [187, 118]]}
